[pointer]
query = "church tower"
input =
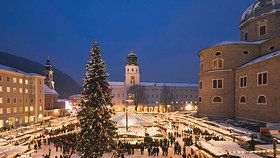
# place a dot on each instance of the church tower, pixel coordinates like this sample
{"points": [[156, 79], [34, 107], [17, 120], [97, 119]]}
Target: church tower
{"points": [[49, 74], [132, 72]]}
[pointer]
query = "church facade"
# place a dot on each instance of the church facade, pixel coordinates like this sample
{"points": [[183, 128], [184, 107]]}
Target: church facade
{"points": [[240, 79], [150, 96]]}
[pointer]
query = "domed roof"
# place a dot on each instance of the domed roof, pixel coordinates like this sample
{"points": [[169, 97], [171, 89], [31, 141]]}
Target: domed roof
{"points": [[131, 53], [259, 8]]}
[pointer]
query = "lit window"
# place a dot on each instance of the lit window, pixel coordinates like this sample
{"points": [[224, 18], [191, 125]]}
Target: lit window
{"points": [[26, 90], [262, 99], [26, 109], [8, 89], [14, 90], [26, 81], [15, 109], [242, 100], [1, 100], [217, 100], [217, 83], [20, 81], [218, 63], [1, 89], [262, 30], [14, 80], [31, 108], [262, 78], [1, 110], [243, 81], [20, 90], [40, 108], [9, 110], [25, 119]]}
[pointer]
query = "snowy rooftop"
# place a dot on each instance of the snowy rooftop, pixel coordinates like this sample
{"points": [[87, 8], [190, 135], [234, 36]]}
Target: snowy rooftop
{"points": [[7, 68], [238, 42], [49, 91], [157, 84], [262, 58]]}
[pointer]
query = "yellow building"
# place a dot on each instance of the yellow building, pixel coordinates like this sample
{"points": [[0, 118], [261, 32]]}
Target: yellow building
{"points": [[21, 97]]}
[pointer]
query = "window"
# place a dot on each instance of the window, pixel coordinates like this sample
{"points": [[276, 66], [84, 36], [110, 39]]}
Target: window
{"points": [[127, 70], [15, 100], [272, 48], [218, 63], [218, 53], [26, 81], [243, 81], [1, 100], [199, 99], [217, 83], [31, 100], [15, 109], [245, 36], [31, 108], [262, 30], [8, 89], [200, 85], [201, 66], [25, 119], [40, 108], [0, 78], [8, 79], [217, 100], [20, 90], [262, 99], [242, 100], [26, 109], [245, 52], [14, 80], [9, 110], [8, 100], [262, 78], [132, 70], [26, 90], [14, 90], [132, 81], [1, 89], [20, 81], [1, 110]]}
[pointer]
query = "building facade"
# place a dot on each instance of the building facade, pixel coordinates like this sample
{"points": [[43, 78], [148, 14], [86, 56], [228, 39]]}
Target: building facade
{"points": [[21, 97], [150, 96], [240, 79]]}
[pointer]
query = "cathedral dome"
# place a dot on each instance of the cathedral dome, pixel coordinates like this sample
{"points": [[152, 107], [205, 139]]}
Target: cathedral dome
{"points": [[260, 8]]}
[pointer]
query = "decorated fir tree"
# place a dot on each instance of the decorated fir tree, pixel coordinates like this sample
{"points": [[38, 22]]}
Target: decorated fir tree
{"points": [[97, 130]]}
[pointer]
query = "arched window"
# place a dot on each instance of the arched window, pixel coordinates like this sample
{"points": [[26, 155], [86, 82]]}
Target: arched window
{"points": [[217, 99], [262, 99], [242, 100]]}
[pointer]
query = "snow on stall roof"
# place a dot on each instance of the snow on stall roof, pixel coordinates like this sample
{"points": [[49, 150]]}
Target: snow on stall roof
{"points": [[116, 83], [169, 84], [238, 42], [7, 68], [262, 58], [47, 90]]}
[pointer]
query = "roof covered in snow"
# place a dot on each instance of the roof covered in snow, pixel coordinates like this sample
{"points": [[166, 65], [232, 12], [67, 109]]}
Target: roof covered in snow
{"points": [[157, 84], [238, 42], [49, 91], [262, 58], [260, 8], [7, 68], [168, 84]]}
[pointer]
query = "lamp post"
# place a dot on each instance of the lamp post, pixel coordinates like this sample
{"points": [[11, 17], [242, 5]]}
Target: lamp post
{"points": [[129, 101]]}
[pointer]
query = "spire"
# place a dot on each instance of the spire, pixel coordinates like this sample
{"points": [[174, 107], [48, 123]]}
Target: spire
{"points": [[49, 74]]}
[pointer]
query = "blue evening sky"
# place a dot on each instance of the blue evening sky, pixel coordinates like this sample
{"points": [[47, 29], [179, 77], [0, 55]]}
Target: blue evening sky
{"points": [[165, 34]]}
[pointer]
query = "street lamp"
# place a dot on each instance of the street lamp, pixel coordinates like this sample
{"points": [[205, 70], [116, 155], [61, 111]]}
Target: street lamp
{"points": [[129, 101]]}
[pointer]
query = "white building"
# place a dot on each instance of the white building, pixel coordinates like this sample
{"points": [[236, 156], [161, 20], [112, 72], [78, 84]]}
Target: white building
{"points": [[150, 96]]}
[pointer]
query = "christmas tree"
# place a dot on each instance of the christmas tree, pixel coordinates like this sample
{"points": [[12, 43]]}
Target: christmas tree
{"points": [[97, 130]]}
